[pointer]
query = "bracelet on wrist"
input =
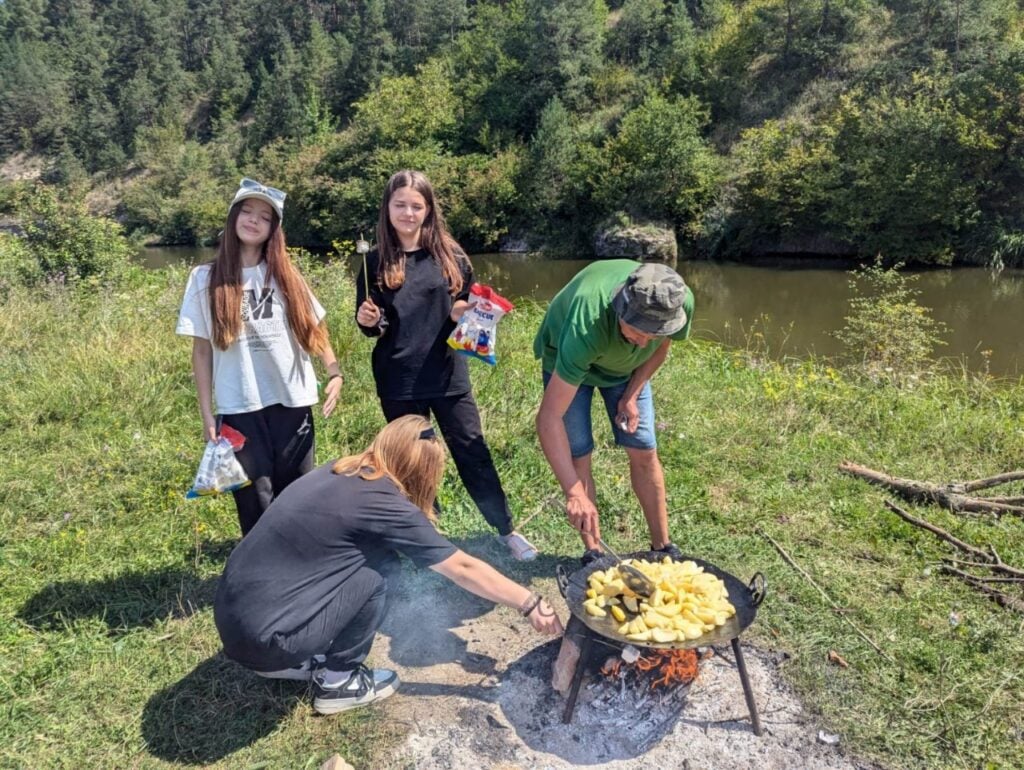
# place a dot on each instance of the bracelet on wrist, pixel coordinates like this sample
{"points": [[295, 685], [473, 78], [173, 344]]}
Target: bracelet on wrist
{"points": [[339, 375], [530, 604]]}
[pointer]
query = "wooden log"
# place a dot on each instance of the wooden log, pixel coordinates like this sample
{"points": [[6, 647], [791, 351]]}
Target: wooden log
{"points": [[924, 492], [568, 658]]}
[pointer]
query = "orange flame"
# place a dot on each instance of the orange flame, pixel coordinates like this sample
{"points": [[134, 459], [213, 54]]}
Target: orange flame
{"points": [[668, 667]]}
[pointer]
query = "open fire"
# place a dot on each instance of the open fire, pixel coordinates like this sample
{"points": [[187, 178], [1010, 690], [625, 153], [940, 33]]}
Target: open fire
{"points": [[663, 669], [659, 673]]}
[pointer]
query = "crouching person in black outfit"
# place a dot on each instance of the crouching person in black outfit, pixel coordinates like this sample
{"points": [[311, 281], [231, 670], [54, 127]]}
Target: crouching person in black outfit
{"points": [[306, 590]]}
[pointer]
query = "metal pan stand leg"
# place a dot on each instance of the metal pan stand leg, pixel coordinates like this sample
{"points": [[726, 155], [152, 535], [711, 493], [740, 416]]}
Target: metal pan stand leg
{"points": [[748, 693], [577, 679]]}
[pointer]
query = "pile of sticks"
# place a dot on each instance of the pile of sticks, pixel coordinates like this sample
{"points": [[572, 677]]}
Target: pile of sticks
{"points": [[997, 575]]}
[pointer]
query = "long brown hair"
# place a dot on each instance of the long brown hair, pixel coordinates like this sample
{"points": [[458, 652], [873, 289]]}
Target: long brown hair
{"points": [[415, 464], [226, 288], [434, 237]]}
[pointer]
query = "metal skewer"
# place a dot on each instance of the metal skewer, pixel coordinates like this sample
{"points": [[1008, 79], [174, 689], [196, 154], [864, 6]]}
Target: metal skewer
{"points": [[363, 248]]}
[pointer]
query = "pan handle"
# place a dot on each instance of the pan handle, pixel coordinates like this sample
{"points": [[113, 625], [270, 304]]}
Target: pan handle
{"points": [[562, 579], [757, 586]]}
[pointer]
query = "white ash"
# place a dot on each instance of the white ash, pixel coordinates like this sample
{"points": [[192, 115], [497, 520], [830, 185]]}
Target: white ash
{"points": [[476, 693]]}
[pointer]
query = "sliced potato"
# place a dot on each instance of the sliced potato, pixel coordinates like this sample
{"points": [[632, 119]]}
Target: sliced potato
{"points": [[686, 601], [593, 609], [664, 635]]}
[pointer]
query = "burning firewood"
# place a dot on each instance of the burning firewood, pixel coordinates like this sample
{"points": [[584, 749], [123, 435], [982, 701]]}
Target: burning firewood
{"points": [[664, 668]]}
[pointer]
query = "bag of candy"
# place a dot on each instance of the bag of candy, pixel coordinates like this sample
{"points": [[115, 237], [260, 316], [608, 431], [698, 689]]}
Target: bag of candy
{"points": [[219, 469], [475, 333]]}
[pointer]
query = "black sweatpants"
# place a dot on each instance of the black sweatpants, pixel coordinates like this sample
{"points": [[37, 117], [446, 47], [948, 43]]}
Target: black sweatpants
{"points": [[343, 630], [459, 422], [279, 447]]}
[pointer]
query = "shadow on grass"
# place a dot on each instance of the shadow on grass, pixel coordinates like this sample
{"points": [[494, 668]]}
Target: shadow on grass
{"points": [[218, 709], [130, 600]]}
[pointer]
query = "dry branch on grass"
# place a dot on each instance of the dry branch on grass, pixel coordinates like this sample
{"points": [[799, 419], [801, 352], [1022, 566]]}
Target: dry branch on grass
{"points": [[838, 610], [990, 560], [954, 496]]}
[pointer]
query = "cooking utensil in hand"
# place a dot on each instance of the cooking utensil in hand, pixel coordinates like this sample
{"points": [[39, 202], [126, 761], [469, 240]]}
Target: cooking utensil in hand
{"points": [[636, 580]]}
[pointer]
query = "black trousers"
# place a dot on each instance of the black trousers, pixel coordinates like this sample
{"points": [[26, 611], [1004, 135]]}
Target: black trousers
{"points": [[279, 447], [343, 630], [458, 419]]}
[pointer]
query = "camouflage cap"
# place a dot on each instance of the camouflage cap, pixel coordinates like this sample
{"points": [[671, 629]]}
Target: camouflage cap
{"points": [[651, 300]]}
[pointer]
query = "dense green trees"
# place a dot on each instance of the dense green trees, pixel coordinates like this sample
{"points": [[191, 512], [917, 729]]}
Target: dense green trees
{"points": [[892, 127]]}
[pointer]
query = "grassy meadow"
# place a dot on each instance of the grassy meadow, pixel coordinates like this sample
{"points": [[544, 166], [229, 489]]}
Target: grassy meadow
{"points": [[108, 652]]}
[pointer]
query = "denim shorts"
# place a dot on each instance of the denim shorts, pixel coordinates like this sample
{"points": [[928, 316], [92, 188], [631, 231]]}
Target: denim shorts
{"points": [[580, 430]]}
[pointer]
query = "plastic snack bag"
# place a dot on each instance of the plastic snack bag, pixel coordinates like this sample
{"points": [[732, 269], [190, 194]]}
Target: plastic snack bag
{"points": [[219, 470], [475, 333]]}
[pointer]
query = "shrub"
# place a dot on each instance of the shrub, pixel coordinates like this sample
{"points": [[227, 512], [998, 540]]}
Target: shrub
{"points": [[183, 196], [888, 331], [660, 163], [62, 242], [17, 265]]}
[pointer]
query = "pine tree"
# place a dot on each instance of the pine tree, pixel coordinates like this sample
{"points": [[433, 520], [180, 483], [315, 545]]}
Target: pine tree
{"points": [[94, 121]]}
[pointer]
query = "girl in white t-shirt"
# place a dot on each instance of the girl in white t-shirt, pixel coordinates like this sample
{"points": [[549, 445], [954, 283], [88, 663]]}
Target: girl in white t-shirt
{"points": [[254, 323]]}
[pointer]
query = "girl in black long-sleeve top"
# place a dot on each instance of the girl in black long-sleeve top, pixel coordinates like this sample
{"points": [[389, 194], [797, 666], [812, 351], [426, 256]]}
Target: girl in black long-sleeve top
{"points": [[419, 281]]}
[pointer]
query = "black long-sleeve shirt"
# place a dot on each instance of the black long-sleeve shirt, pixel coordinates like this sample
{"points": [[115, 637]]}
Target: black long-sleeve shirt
{"points": [[412, 359]]}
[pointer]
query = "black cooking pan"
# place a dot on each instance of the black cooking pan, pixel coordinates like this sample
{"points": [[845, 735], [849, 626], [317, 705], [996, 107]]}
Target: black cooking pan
{"points": [[745, 598]]}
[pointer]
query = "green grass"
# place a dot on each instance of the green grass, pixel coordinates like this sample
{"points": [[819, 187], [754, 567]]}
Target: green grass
{"points": [[108, 652]]}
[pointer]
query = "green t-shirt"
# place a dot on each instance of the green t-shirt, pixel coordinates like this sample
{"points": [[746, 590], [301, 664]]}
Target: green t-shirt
{"points": [[579, 338]]}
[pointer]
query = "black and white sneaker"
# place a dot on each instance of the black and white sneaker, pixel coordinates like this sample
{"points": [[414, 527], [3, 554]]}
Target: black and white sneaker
{"points": [[670, 549], [300, 673], [363, 687]]}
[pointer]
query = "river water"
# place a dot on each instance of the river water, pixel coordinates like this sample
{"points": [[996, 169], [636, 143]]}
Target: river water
{"points": [[795, 311]]}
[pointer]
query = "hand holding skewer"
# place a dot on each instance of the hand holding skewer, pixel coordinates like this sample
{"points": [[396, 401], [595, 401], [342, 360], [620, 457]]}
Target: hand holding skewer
{"points": [[368, 313]]}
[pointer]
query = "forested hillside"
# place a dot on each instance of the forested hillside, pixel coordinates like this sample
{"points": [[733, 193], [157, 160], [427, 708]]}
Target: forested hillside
{"points": [[859, 127]]}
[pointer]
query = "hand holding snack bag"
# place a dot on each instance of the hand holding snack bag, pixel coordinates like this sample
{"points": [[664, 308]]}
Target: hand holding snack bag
{"points": [[219, 469], [475, 333]]}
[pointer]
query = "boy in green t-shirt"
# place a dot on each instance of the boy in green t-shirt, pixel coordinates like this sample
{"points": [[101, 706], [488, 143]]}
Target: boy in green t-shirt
{"points": [[610, 328]]}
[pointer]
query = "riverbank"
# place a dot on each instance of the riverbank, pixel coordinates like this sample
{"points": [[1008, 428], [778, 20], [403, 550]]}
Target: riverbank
{"points": [[787, 309], [108, 649]]}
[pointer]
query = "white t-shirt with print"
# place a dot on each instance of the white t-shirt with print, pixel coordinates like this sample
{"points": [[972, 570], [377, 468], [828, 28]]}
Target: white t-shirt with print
{"points": [[265, 365]]}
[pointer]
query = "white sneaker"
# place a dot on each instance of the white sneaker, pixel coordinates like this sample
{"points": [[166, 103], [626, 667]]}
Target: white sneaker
{"points": [[521, 548]]}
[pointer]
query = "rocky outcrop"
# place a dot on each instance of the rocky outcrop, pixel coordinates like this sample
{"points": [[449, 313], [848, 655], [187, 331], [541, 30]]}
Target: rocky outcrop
{"points": [[644, 241]]}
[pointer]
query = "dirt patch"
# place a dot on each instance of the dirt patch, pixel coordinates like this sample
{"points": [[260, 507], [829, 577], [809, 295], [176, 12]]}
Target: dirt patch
{"points": [[476, 693], [22, 167]]}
